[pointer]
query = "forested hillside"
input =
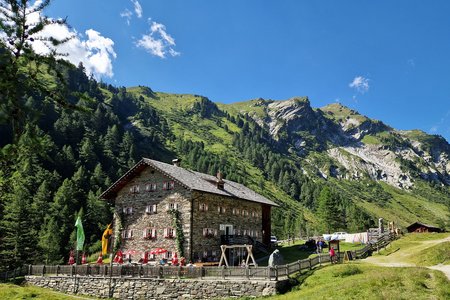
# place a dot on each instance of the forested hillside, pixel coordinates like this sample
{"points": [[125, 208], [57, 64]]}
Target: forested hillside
{"points": [[66, 137]]}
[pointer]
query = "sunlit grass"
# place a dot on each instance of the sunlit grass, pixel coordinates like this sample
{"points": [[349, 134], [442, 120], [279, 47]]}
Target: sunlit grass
{"points": [[355, 281], [13, 292], [424, 249]]}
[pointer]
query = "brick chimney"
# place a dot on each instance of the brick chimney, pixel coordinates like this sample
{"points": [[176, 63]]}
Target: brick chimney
{"points": [[220, 182], [176, 162]]}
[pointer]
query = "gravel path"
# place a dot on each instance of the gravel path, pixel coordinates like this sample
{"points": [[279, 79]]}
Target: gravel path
{"points": [[395, 259], [443, 268]]}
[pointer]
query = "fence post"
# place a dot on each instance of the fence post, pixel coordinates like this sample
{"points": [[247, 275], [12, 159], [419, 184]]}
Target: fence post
{"points": [[57, 270], [30, 269], [310, 265], [276, 273], [223, 272], [43, 270], [299, 266], [247, 272]]}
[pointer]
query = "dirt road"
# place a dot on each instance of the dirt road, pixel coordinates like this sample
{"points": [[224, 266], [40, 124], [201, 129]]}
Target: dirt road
{"points": [[400, 258]]}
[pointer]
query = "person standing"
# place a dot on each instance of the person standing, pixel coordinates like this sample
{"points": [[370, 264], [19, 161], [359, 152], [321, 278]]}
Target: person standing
{"points": [[332, 255]]}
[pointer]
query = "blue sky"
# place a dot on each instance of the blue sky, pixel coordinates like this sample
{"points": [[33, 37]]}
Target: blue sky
{"points": [[389, 60]]}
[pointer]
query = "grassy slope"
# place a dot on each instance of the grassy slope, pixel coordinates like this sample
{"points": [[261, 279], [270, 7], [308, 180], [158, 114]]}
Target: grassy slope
{"points": [[362, 280], [405, 208], [254, 107], [12, 292], [424, 249], [339, 113], [353, 281]]}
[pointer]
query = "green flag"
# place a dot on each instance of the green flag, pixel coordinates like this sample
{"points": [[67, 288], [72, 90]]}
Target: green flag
{"points": [[80, 234]]}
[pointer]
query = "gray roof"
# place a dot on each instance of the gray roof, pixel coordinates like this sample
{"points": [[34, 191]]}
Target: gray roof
{"points": [[192, 180]]}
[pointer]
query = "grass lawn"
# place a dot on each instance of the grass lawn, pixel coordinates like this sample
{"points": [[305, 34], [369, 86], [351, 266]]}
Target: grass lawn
{"points": [[292, 253], [356, 281], [12, 291], [424, 249]]}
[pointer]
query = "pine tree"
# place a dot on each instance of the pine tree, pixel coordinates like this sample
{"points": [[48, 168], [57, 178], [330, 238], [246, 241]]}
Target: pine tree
{"points": [[23, 72], [18, 241], [328, 210], [58, 224]]}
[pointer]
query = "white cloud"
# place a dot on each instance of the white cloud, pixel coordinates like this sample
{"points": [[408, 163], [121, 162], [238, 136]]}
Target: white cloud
{"points": [[127, 14], [137, 8], [158, 42], [360, 84], [95, 52]]}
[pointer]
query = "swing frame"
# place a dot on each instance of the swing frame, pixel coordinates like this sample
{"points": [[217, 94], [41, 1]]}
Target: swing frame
{"points": [[249, 248]]}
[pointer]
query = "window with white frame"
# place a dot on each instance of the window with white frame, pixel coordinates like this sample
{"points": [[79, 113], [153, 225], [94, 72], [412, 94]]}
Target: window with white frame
{"points": [[169, 233], [168, 255], [149, 233], [134, 189], [236, 211], [151, 209], [244, 212], [127, 210], [150, 187], [221, 209], [203, 206], [172, 206], [127, 234], [254, 214]]}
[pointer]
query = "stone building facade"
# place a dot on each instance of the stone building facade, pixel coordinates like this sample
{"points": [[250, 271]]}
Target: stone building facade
{"points": [[207, 208]]}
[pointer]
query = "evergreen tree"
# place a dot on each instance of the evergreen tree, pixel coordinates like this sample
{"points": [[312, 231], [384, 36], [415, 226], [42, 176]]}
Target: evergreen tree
{"points": [[18, 239], [24, 72], [328, 210]]}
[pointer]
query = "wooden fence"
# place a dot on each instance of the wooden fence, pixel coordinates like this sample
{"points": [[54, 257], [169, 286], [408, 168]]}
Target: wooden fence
{"points": [[147, 271]]}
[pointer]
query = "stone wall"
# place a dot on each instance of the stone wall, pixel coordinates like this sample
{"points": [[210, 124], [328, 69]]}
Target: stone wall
{"points": [[245, 217], [250, 221], [140, 288], [139, 220]]}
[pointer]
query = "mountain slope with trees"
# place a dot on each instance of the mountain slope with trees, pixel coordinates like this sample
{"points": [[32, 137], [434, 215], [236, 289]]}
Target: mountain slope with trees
{"points": [[67, 137]]}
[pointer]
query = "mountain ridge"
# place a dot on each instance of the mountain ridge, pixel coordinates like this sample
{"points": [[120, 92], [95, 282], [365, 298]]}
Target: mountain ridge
{"points": [[329, 145]]}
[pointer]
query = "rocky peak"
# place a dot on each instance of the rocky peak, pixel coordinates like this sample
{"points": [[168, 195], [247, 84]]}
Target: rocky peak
{"points": [[284, 113]]}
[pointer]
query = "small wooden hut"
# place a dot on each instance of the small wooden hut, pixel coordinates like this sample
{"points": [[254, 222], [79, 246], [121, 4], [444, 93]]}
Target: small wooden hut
{"points": [[420, 227]]}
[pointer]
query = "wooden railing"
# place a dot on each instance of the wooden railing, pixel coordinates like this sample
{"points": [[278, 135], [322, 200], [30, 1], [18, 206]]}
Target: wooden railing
{"points": [[147, 271]]}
